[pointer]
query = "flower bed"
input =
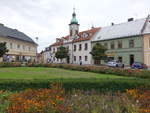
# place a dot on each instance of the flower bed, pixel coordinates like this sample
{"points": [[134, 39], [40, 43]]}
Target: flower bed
{"points": [[56, 100]]}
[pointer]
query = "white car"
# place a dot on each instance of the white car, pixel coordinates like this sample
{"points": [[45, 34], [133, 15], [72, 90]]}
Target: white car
{"points": [[115, 63]]}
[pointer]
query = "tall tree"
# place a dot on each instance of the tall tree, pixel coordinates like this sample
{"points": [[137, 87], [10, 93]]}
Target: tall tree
{"points": [[61, 53], [3, 49], [98, 52]]}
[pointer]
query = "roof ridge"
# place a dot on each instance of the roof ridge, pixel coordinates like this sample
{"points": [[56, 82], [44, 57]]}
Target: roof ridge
{"points": [[14, 33], [124, 22]]}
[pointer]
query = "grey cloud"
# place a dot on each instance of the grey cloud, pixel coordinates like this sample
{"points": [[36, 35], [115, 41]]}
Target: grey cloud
{"points": [[49, 19]]}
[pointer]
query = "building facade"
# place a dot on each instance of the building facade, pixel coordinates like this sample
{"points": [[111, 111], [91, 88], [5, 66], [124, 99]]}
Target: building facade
{"points": [[127, 42], [20, 46], [77, 43]]}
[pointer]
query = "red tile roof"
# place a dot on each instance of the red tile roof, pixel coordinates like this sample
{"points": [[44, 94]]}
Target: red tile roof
{"points": [[89, 34], [66, 37], [57, 44]]}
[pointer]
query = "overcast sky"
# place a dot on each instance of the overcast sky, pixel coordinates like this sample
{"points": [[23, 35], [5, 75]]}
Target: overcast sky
{"points": [[49, 19]]}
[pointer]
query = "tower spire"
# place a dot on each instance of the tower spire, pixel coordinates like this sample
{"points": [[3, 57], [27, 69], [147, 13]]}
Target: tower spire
{"points": [[74, 20], [73, 26], [74, 14], [74, 9]]}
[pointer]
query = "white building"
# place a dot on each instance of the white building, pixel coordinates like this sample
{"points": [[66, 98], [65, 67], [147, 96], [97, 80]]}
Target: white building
{"points": [[78, 44]]}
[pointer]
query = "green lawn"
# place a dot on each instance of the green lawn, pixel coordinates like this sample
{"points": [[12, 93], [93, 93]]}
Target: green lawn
{"points": [[20, 78], [48, 73]]}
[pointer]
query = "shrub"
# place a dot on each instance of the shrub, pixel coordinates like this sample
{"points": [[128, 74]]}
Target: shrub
{"points": [[100, 69], [96, 69], [10, 64]]}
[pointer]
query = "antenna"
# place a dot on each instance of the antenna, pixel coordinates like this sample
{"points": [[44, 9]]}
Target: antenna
{"points": [[92, 25], [37, 38], [73, 8]]}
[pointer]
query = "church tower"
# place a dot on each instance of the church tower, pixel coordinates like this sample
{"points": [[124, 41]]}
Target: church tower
{"points": [[73, 26]]}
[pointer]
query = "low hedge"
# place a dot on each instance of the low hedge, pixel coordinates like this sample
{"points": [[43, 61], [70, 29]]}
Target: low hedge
{"points": [[89, 68], [102, 85], [10, 64], [98, 69]]}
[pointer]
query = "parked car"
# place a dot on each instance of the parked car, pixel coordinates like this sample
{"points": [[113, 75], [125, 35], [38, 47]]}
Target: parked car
{"points": [[115, 63], [138, 65]]}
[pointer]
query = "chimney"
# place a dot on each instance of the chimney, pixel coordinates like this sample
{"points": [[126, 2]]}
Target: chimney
{"points": [[112, 24], [130, 19], [57, 39]]}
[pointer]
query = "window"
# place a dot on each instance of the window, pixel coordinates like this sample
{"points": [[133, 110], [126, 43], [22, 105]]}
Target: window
{"points": [[86, 58], [23, 47], [119, 44], [74, 58], [29, 48], [86, 46], [53, 49], [110, 58], [80, 58], [70, 32], [18, 46], [85, 35], [112, 46], [67, 48], [74, 48], [131, 43], [76, 31], [106, 45], [80, 47], [11, 46]]}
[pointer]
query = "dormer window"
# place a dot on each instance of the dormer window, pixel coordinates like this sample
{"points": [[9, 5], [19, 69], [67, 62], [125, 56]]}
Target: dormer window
{"points": [[85, 35], [99, 37]]}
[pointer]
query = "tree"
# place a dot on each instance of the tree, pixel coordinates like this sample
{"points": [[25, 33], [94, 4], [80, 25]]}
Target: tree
{"points": [[61, 53], [3, 49], [98, 52]]}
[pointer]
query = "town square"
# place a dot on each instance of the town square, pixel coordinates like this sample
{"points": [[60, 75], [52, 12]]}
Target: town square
{"points": [[74, 56]]}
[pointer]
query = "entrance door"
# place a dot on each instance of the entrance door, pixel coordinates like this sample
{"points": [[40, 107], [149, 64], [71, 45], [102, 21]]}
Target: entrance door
{"points": [[97, 62], [68, 59], [131, 59], [120, 59]]}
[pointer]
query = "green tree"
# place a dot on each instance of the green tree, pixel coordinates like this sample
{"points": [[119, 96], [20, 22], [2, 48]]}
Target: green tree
{"points": [[61, 53], [98, 52], [3, 49]]}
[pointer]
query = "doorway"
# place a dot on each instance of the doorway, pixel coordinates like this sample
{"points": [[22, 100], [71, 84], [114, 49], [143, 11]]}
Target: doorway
{"points": [[68, 59], [131, 59]]}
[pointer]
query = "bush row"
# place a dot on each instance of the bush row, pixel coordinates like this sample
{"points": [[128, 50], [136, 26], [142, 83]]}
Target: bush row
{"points": [[98, 69], [10, 64], [87, 68], [102, 85]]}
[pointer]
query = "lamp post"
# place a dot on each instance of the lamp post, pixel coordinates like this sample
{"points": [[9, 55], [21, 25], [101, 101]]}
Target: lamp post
{"points": [[37, 38]]}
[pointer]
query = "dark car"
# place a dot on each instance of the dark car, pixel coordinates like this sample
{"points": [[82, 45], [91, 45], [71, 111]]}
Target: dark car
{"points": [[138, 65]]}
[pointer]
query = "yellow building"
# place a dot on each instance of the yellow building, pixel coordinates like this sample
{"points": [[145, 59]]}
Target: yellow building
{"points": [[20, 46]]}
